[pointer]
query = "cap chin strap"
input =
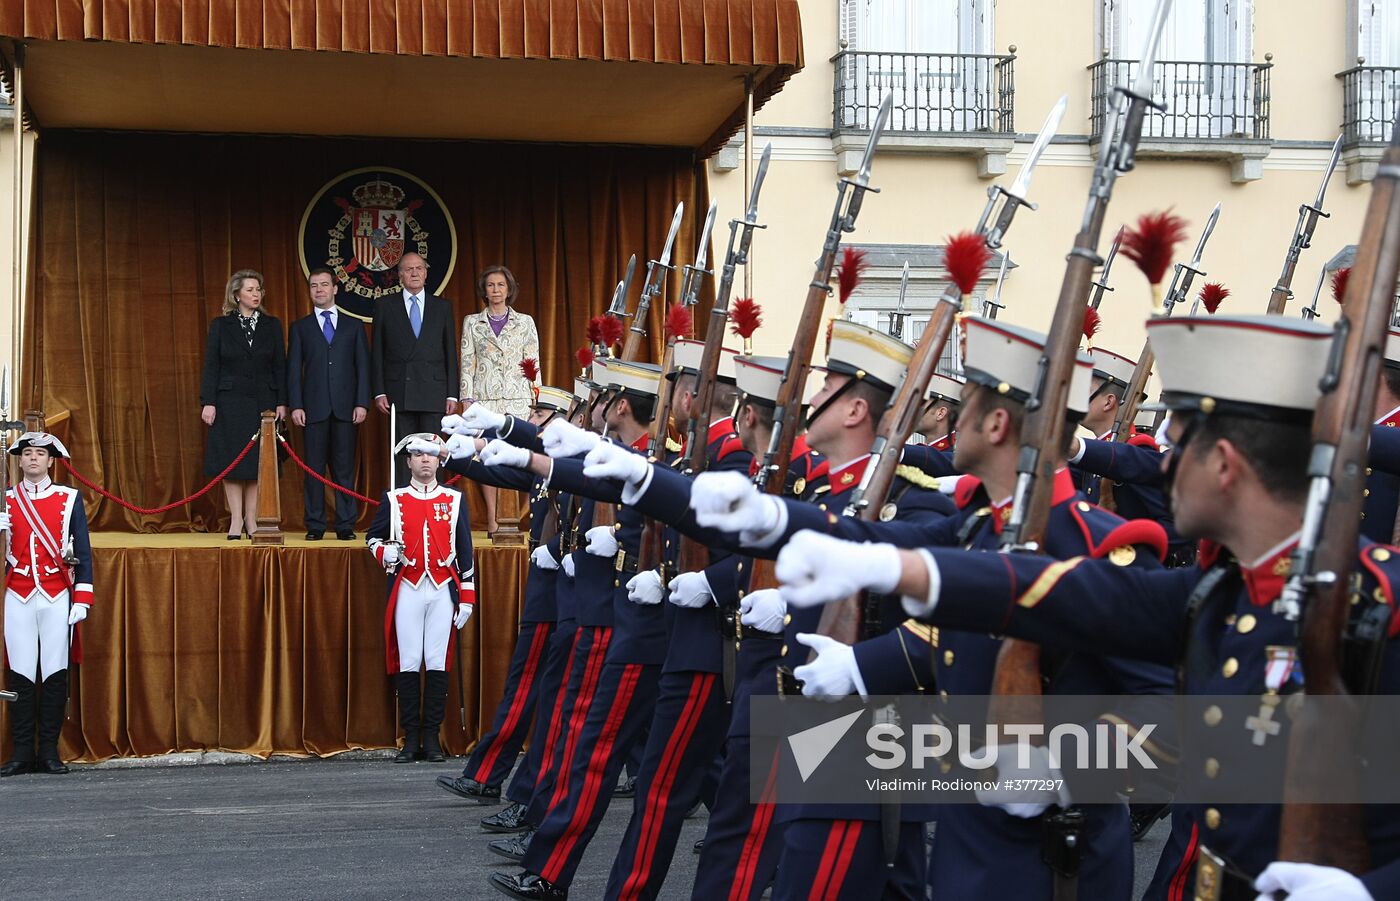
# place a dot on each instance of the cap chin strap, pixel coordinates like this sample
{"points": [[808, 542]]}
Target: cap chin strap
{"points": [[812, 415]]}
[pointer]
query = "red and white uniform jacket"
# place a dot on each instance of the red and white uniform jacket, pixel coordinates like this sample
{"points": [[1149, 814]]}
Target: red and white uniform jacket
{"points": [[32, 563]]}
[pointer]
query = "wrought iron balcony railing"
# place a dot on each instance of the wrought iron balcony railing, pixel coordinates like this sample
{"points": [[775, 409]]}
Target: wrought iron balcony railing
{"points": [[1370, 100], [933, 92], [1201, 101]]}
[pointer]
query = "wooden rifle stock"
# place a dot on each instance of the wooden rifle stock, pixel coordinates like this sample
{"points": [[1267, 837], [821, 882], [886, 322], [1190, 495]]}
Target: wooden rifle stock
{"points": [[650, 552], [1323, 742], [1278, 297], [1127, 414]]}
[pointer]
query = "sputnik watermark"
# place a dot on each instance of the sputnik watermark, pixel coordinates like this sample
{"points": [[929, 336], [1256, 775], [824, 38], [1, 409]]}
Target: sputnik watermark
{"points": [[1112, 746]]}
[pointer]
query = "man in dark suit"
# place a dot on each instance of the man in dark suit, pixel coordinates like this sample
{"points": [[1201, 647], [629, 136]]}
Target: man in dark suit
{"points": [[328, 384], [413, 363]]}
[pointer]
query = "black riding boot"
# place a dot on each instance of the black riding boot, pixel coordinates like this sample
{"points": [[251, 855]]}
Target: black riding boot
{"points": [[21, 725], [51, 708], [408, 717], [434, 708]]}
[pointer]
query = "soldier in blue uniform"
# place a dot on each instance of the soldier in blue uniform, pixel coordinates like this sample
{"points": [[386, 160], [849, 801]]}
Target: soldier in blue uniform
{"points": [[1238, 450]]}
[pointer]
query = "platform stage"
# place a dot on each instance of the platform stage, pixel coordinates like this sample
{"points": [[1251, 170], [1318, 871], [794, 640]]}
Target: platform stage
{"points": [[199, 643]]}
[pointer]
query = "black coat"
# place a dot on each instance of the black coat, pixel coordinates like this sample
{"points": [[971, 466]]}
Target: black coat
{"points": [[240, 382], [324, 379], [417, 374]]}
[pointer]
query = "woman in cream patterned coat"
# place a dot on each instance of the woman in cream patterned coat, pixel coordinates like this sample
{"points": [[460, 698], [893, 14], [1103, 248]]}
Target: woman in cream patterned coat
{"points": [[494, 342]]}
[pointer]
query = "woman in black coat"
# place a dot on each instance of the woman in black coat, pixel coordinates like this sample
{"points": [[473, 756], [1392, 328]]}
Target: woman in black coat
{"points": [[245, 372]]}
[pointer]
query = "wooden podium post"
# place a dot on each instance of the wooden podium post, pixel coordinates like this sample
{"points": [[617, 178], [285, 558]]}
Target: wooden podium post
{"points": [[508, 515], [269, 491]]}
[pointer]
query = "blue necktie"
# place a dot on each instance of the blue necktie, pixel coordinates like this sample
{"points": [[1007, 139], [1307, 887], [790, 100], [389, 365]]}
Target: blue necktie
{"points": [[415, 318], [326, 328]]}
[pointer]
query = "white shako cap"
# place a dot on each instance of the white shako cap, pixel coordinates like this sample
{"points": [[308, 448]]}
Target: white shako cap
{"points": [[945, 388], [685, 358], [1257, 366], [1112, 366], [638, 378], [1392, 349], [555, 399], [868, 354], [1006, 359], [582, 389], [759, 378], [1145, 420]]}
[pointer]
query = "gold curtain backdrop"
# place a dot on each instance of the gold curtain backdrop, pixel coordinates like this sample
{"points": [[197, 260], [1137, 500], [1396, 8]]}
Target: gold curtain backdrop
{"points": [[263, 651], [138, 233]]}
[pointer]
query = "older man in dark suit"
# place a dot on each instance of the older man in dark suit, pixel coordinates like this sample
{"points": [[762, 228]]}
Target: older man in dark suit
{"points": [[328, 384], [413, 363]]}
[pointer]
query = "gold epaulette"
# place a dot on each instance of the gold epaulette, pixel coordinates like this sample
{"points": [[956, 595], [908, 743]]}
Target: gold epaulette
{"points": [[916, 476], [673, 445]]}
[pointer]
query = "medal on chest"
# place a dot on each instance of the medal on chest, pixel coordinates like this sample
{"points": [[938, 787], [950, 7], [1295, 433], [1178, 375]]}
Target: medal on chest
{"points": [[1280, 665]]}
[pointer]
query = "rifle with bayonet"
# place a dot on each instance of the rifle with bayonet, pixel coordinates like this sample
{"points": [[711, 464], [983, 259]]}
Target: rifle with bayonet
{"points": [[1043, 433], [1102, 285], [1323, 745], [992, 305], [651, 289], [1308, 214], [898, 316]]}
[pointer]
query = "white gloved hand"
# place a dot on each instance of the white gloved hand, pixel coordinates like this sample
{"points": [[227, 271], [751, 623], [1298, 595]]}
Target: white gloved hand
{"points": [[613, 461], [5, 522], [1310, 882], [1016, 800], [645, 588], [567, 564], [464, 613], [391, 554], [456, 425], [478, 417], [500, 453], [77, 614], [564, 439], [816, 569], [729, 502], [833, 674], [543, 559], [690, 590], [423, 446], [601, 541], [763, 610], [461, 447]]}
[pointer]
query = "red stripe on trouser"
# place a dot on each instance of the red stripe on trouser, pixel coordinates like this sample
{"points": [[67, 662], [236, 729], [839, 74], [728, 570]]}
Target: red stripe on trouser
{"points": [[517, 704], [742, 886], [597, 764], [659, 792], [556, 719], [1177, 890], [584, 700], [836, 860]]}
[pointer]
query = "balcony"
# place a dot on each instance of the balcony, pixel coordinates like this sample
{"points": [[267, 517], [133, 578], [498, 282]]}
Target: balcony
{"points": [[1208, 110], [1370, 100], [951, 103]]}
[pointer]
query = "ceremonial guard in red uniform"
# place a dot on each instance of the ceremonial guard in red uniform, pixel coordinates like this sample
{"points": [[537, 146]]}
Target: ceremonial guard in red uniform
{"points": [[48, 591], [422, 535]]}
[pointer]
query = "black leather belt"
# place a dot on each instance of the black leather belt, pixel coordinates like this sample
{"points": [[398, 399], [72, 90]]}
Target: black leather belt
{"points": [[751, 632], [627, 563]]}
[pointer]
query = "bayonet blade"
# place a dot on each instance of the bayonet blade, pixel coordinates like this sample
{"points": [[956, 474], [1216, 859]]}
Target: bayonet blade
{"points": [[882, 118], [1022, 183], [702, 253], [1143, 86], [624, 287], [993, 304], [5, 392], [1205, 236], [1327, 176], [665, 258], [751, 214], [903, 288]]}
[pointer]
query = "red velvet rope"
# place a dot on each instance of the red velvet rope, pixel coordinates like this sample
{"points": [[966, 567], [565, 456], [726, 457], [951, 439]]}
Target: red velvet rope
{"points": [[337, 486], [151, 511]]}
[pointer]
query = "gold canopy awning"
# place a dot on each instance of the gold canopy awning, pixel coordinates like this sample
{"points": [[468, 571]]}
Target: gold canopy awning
{"points": [[653, 72]]}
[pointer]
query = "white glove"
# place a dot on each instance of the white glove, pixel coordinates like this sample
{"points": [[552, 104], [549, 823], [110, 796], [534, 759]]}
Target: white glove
{"points": [[763, 610], [816, 569], [391, 554], [690, 590], [1309, 882], [543, 559], [4, 522], [464, 613], [612, 461], [567, 564], [478, 417], [729, 502], [564, 439], [461, 447], [456, 425], [423, 446], [601, 541], [1014, 798], [499, 453], [834, 673], [77, 614], [645, 588]]}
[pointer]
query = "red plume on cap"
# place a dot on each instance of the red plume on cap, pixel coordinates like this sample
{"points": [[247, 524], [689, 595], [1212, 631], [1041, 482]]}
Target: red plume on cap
{"points": [[594, 331], [747, 316], [1092, 324], [611, 329], [1152, 241], [1212, 293], [853, 264], [530, 368], [965, 256], [584, 357], [1339, 283], [678, 321]]}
